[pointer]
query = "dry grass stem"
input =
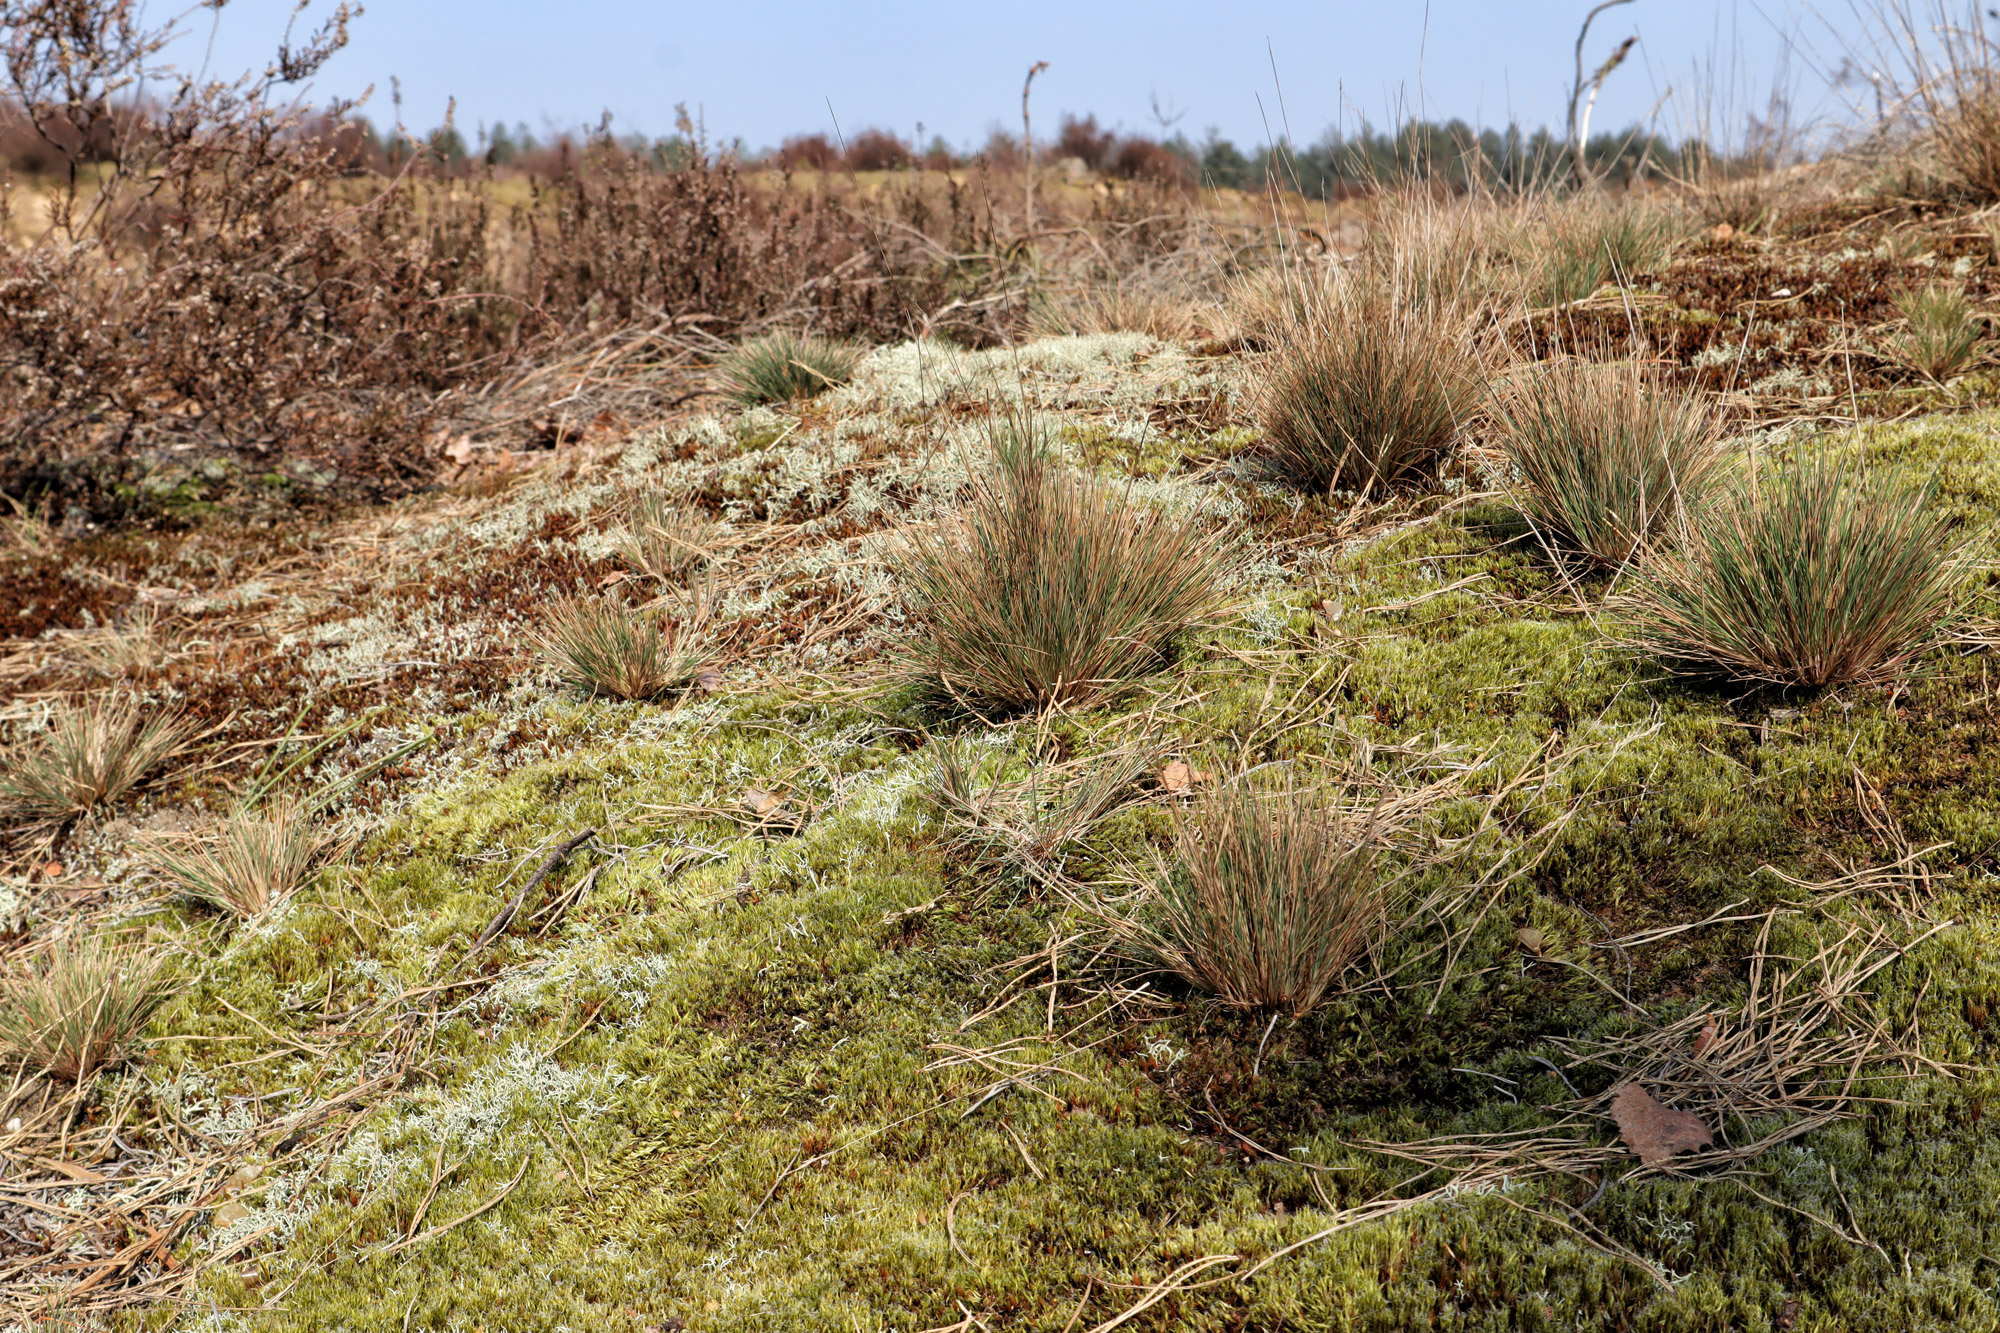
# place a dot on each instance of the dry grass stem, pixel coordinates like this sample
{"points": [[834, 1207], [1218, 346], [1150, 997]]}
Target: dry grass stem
{"points": [[667, 538]]}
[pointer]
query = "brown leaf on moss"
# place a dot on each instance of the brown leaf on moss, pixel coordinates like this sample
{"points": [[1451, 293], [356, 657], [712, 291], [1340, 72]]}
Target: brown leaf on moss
{"points": [[1656, 1133]]}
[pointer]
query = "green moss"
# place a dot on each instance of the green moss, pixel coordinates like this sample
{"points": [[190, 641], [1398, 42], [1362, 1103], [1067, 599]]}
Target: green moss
{"points": [[733, 1082]]}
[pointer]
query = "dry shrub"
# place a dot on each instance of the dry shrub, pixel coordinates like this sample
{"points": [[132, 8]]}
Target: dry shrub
{"points": [[1369, 389], [1812, 572], [214, 277], [247, 865], [1052, 589], [1272, 895], [79, 1005], [1609, 455], [1941, 334], [602, 646], [92, 754]]}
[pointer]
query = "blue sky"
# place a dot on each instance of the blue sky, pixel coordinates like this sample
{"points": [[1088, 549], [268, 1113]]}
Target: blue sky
{"points": [[761, 70]]}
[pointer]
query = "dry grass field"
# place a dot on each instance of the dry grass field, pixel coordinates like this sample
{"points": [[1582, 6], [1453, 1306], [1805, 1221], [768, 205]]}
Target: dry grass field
{"points": [[1213, 763]]}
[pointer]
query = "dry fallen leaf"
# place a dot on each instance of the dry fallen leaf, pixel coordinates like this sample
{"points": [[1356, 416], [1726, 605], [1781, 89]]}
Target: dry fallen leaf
{"points": [[229, 1215], [1530, 939], [1657, 1133], [1178, 777], [762, 803], [708, 680], [1705, 1040], [52, 870], [613, 579]]}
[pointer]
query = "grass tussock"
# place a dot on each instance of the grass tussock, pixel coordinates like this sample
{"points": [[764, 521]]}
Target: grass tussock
{"points": [[1271, 897], [1575, 249], [1116, 306], [600, 645], [249, 864], [1810, 573], [80, 1005], [667, 538], [787, 366], [92, 754], [1608, 455], [1052, 588], [1941, 334], [1369, 391]]}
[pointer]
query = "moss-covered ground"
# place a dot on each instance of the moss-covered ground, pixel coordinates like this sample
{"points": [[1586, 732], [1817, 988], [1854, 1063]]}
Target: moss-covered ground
{"points": [[819, 1072]]}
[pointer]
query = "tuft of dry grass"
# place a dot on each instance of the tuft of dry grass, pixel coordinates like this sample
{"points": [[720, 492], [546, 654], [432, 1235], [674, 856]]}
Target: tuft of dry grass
{"points": [[1813, 573], [1574, 249], [1370, 389], [1271, 897], [1608, 455], [80, 1005], [1941, 334], [1116, 306], [602, 646], [667, 538], [249, 863], [784, 366], [91, 754], [1053, 588]]}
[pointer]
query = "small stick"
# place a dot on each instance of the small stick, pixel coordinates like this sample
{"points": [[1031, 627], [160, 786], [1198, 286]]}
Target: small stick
{"points": [[507, 913]]}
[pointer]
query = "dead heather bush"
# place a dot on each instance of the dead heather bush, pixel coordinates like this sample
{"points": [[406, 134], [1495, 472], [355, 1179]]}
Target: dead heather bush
{"points": [[1809, 572], [1369, 390], [1051, 588], [248, 864], [1941, 334], [787, 366], [80, 1005], [91, 754], [214, 277], [1609, 455], [667, 538], [1271, 897], [600, 645]]}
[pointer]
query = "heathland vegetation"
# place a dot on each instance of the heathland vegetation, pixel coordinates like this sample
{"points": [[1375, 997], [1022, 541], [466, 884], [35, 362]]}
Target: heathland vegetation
{"points": [[1132, 736]]}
